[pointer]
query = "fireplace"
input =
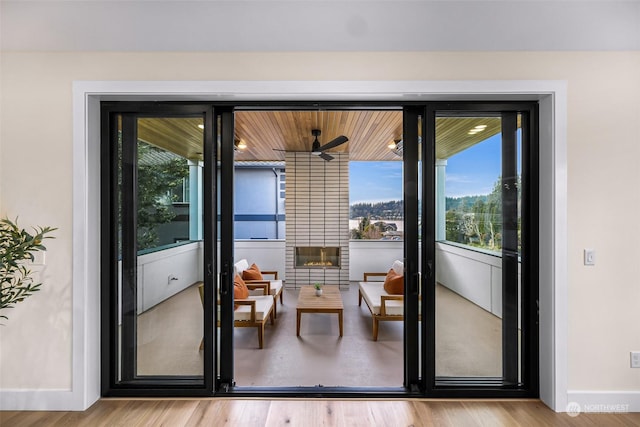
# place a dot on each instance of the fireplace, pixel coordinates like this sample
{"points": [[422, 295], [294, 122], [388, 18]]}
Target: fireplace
{"points": [[317, 257], [317, 208]]}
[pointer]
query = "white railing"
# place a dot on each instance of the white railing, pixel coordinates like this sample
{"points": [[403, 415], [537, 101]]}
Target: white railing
{"points": [[164, 273], [475, 275]]}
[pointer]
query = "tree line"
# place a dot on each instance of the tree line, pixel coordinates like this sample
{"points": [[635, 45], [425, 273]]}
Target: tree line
{"points": [[392, 209]]}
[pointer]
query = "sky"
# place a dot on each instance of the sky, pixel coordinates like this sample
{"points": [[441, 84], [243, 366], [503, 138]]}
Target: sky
{"points": [[475, 170], [469, 173], [371, 182]]}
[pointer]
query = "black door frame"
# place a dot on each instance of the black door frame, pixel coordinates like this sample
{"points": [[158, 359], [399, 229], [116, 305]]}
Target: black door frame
{"points": [[507, 385], [419, 377], [130, 384]]}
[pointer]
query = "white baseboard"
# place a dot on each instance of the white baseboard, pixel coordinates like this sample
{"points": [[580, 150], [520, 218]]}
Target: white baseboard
{"points": [[602, 401], [42, 400]]}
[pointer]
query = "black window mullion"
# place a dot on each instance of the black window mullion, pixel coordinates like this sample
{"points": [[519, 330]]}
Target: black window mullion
{"points": [[110, 214], [428, 250], [210, 186], [226, 133], [410, 167], [129, 194], [510, 248], [530, 249]]}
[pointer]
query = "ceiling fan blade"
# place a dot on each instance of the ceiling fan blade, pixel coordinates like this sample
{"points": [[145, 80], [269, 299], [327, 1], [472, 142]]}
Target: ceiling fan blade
{"points": [[284, 150], [326, 156], [334, 143]]}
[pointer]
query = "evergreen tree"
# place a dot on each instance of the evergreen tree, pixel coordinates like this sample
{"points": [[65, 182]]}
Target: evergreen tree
{"points": [[156, 180]]}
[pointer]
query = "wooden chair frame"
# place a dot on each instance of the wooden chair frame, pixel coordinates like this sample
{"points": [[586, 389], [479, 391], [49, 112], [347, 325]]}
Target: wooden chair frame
{"points": [[383, 316], [253, 322]]}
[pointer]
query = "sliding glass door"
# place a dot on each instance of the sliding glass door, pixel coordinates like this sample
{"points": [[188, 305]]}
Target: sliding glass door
{"points": [[466, 235], [481, 227], [157, 265]]}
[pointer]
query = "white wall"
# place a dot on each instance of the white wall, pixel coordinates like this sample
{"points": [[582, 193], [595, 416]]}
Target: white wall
{"points": [[473, 274], [268, 255], [468, 273], [164, 273], [602, 152], [373, 256]]}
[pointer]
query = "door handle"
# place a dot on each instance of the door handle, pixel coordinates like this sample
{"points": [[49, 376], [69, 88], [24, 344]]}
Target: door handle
{"points": [[414, 283], [224, 283]]}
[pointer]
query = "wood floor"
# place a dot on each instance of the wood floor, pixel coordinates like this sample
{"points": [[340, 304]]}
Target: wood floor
{"points": [[234, 412]]}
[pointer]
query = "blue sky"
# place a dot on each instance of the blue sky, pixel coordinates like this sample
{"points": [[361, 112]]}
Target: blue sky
{"points": [[471, 172], [474, 171], [371, 182]]}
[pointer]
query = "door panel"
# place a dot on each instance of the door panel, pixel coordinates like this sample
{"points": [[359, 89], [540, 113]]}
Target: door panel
{"points": [[468, 328], [484, 164], [153, 227]]}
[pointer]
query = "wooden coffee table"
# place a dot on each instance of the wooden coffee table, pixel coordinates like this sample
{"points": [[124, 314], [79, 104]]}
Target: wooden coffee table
{"points": [[329, 302]]}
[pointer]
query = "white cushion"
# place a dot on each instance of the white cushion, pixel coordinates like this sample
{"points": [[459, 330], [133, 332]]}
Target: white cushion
{"points": [[275, 286], [264, 303], [398, 267], [241, 266], [372, 293]]}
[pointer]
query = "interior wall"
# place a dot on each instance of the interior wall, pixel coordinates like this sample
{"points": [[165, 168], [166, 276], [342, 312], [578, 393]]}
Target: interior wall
{"points": [[36, 156]]}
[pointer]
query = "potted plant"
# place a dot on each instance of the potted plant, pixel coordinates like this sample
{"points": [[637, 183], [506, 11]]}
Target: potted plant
{"points": [[318, 287], [17, 246]]}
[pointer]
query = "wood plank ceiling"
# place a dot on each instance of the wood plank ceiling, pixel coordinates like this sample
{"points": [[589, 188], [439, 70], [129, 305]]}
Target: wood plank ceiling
{"points": [[268, 134]]}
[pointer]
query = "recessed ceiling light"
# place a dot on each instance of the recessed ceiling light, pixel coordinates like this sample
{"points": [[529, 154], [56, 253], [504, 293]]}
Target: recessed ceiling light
{"points": [[201, 126], [480, 127]]}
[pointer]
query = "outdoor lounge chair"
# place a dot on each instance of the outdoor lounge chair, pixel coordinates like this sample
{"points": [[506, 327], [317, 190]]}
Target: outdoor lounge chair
{"points": [[382, 305], [273, 286], [251, 312]]}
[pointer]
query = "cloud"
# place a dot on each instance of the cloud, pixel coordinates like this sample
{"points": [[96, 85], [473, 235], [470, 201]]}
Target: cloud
{"points": [[460, 179]]}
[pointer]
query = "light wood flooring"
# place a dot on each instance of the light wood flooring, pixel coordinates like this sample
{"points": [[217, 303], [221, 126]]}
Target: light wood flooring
{"points": [[468, 339], [235, 412]]}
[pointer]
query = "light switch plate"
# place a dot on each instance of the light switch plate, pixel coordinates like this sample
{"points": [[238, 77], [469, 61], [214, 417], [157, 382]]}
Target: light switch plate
{"points": [[635, 359], [589, 257]]}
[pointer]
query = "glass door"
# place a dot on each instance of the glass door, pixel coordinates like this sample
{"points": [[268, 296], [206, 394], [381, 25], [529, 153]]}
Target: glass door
{"points": [[158, 271], [482, 297], [469, 249]]}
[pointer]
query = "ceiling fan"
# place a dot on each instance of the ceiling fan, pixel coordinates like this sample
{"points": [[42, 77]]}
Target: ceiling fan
{"points": [[319, 150]]}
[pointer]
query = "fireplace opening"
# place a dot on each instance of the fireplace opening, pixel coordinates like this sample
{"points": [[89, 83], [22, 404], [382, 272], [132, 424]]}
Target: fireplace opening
{"points": [[317, 257]]}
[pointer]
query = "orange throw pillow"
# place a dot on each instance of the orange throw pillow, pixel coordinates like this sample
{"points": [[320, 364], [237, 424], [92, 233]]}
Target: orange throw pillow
{"points": [[240, 290], [394, 283], [252, 273]]}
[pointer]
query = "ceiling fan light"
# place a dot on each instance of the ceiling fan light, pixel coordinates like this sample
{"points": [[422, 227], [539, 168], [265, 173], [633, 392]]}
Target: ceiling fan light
{"points": [[242, 145], [392, 145]]}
